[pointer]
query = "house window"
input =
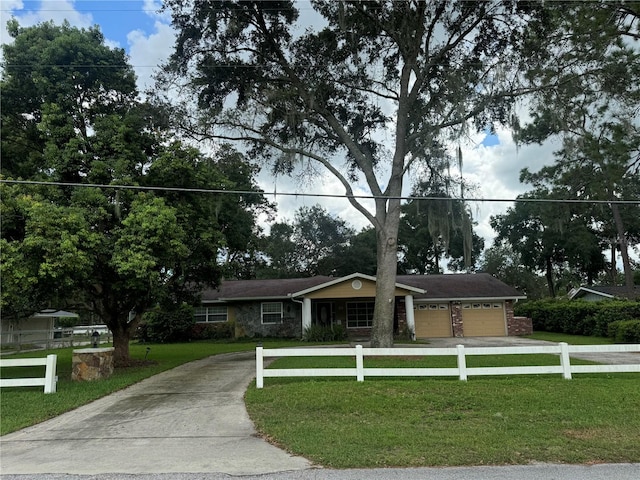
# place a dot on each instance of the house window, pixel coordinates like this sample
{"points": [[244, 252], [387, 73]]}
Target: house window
{"points": [[497, 305], [359, 314], [272, 312], [211, 314]]}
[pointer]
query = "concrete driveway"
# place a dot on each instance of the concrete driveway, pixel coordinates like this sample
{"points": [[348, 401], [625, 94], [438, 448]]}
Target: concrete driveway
{"points": [[190, 423], [189, 419]]}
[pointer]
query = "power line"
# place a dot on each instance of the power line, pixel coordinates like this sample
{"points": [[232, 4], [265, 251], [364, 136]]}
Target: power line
{"points": [[318, 195]]}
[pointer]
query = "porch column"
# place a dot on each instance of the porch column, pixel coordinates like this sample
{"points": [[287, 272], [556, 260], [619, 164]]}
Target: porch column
{"points": [[411, 321], [306, 314]]}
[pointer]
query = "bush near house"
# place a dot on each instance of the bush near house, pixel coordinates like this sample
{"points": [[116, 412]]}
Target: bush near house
{"points": [[577, 317], [167, 326], [213, 331], [319, 333], [625, 331]]}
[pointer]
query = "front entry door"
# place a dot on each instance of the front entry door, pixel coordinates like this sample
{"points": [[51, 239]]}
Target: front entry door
{"points": [[324, 314]]}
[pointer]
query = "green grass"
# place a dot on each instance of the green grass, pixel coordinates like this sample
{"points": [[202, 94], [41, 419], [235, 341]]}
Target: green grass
{"points": [[24, 406], [570, 339], [413, 422]]}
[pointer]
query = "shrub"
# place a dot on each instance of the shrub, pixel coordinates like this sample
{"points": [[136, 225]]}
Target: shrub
{"points": [[167, 326], [213, 331], [625, 331], [577, 317], [319, 333]]}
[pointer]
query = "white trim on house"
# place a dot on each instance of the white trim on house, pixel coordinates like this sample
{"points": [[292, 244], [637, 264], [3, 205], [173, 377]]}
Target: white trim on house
{"points": [[573, 293], [353, 276]]}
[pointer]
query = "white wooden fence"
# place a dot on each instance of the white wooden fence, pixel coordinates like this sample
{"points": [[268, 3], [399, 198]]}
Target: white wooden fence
{"points": [[461, 371], [48, 381]]}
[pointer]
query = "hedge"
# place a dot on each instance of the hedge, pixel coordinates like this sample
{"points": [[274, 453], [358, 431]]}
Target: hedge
{"points": [[577, 317], [625, 331]]}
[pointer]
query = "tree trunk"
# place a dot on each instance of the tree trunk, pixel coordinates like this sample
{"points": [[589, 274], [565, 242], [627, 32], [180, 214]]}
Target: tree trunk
{"points": [[624, 250], [122, 330], [121, 356], [549, 276], [382, 331]]}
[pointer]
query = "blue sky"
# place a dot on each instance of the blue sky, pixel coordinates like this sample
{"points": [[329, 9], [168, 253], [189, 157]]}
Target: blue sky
{"points": [[116, 18], [491, 162]]}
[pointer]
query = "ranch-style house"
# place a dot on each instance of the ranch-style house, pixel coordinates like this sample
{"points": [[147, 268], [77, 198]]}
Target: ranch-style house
{"points": [[450, 305]]}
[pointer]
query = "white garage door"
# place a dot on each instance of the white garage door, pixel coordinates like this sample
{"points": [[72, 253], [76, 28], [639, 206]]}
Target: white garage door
{"points": [[483, 319], [432, 320]]}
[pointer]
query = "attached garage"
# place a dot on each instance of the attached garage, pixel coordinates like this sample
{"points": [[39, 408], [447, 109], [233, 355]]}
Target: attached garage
{"points": [[483, 319], [432, 320]]}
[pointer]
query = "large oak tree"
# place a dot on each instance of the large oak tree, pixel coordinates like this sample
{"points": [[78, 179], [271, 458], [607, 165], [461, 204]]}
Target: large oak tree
{"points": [[363, 90]]}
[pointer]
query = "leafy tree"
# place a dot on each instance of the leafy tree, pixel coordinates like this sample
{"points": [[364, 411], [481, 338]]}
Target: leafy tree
{"points": [[501, 261], [435, 228], [594, 111], [119, 251], [308, 246], [548, 237], [281, 250], [373, 90], [358, 256]]}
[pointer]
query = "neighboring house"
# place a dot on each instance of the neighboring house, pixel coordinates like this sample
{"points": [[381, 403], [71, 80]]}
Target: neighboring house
{"points": [[38, 328], [453, 305], [599, 293]]}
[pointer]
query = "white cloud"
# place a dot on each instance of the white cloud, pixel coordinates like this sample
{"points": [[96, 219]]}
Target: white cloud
{"points": [[153, 9], [64, 10], [147, 51]]}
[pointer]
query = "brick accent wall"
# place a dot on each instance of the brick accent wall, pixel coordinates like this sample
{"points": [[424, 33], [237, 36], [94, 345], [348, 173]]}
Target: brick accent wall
{"points": [[456, 319], [516, 326], [519, 326]]}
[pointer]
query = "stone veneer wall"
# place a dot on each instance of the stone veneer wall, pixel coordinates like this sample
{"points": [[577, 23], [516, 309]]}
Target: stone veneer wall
{"points": [[89, 364], [249, 321], [456, 319]]}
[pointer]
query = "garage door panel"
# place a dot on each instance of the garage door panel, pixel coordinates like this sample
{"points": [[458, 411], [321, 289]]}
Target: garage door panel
{"points": [[484, 322], [433, 322]]}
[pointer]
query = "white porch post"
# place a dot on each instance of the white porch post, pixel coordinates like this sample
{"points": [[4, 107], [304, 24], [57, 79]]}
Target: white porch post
{"points": [[411, 321], [306, 314]]}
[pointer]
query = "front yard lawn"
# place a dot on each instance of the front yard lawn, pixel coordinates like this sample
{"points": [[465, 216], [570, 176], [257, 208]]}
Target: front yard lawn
{"points": [[415, 422]]}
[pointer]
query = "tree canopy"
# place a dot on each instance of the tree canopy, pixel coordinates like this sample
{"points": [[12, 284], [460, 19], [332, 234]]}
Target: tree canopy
{"points": [[99, 235], [593, 110]]}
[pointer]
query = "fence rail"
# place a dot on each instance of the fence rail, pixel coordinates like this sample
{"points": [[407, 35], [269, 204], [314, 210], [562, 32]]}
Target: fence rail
{"points": [[46, 339], [48, 381], [563, 350]]}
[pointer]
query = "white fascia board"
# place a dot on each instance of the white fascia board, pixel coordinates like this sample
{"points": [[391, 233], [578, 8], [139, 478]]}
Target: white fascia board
{"points": [[352, 276], [589, 290], [246, 299], [466, 299]]}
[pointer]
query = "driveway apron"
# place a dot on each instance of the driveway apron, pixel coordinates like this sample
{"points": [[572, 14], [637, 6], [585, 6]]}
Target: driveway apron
{"points": [[189, 419]]}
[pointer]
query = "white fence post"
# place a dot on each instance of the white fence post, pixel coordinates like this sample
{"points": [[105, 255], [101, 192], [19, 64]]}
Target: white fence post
{"points": [[50, 374], [359, 364], [259, 368], [565, 360], [462, 362]]}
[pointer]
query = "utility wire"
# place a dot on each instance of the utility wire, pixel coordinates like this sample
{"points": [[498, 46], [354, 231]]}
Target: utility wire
{"points": [[317, 195]]}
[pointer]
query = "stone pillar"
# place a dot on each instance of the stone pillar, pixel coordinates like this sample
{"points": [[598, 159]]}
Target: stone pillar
{"points": [[92, 364], [456, 319]]}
